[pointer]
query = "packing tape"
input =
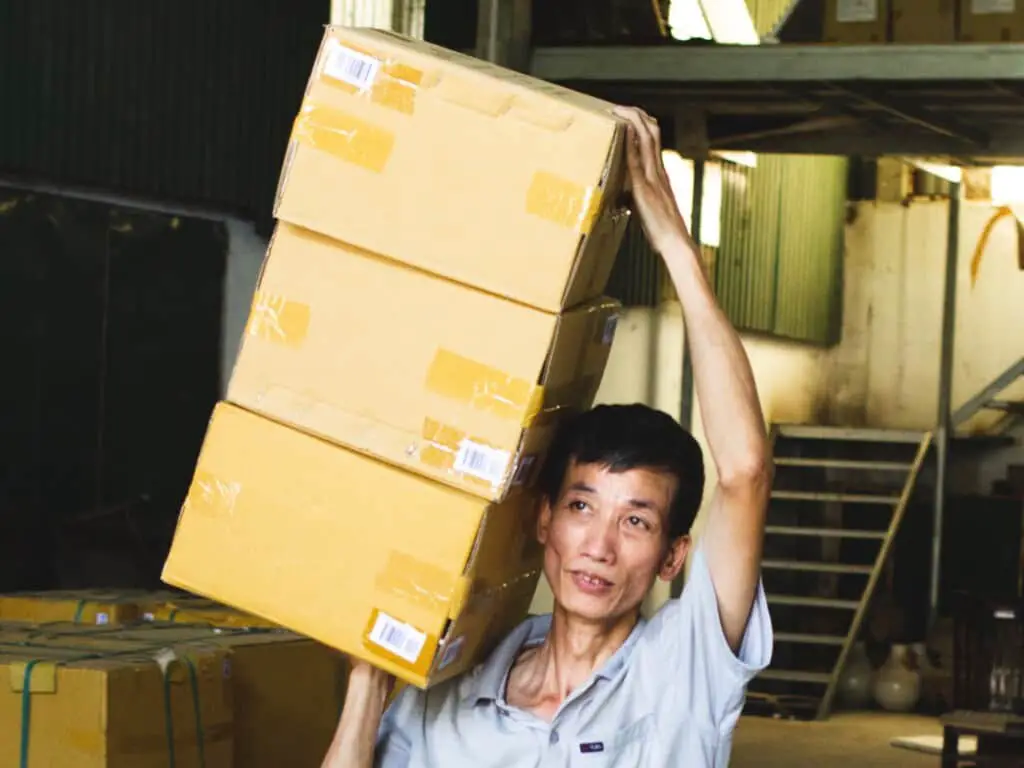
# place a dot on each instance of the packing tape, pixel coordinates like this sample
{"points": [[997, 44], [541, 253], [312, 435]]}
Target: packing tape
{"points": [[344, 136], [422, 584], [276, 319], [563, 202], [483, 387], [211, 496], [358, 71]]}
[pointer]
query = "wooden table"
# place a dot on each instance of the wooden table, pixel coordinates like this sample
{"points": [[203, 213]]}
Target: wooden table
{"points": [[1000, 738]]}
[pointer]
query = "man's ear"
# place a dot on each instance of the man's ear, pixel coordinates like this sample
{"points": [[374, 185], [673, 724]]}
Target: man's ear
{"points": [[544, 520], [674, 559]]}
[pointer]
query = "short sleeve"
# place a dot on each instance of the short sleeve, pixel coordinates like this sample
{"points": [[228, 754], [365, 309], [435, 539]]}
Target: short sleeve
{"points": [[397, 726], [687, 633]]}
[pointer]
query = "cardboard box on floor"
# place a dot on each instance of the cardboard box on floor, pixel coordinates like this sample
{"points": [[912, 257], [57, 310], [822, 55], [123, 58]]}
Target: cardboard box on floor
{"points": [[924, 21], [286, 691], [414, 576], [991, 21], [418, 371], [856, 21], [456, 166], [96, 702]]}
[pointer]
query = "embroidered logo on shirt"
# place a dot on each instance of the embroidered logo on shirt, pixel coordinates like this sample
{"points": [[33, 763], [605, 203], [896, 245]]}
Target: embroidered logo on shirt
{"points": [[592, 746]]}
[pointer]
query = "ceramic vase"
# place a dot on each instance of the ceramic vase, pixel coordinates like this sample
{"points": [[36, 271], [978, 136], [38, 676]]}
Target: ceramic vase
{"points": [[897, 685], [855, 684]]}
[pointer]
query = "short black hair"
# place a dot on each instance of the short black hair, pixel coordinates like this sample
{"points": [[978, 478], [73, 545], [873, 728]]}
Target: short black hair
{"points": [[625, 437]]}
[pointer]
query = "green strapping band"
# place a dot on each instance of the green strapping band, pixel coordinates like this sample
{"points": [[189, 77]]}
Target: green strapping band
{"points": [[79, 609], [26, 711]]}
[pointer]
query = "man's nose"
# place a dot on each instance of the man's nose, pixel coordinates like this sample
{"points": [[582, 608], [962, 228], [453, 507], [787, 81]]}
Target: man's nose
{"points": [[601, 540]]}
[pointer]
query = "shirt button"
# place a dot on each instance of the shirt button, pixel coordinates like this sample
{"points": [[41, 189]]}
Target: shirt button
{"points": [[554, 737]]}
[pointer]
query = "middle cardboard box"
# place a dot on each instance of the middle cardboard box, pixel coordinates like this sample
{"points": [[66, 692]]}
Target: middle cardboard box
{"points": [[415, 370]]}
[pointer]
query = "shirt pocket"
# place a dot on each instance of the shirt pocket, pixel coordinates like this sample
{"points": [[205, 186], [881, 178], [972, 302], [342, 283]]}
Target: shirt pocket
{"points": [[625, 748]]}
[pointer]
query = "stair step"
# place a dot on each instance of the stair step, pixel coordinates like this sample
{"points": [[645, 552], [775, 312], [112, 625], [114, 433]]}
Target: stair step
{"points": [[810, 565], [848, 498], [796, 676], [867, 435], [882, 466], [844, 533], [813, 602], [797, 637]]}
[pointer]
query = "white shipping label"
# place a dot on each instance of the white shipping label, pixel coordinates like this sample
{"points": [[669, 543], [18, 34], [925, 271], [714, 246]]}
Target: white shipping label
{"points": [[608, 335], [397, 637], [352, 67], [482, 461], [992, 7], [102, 618], [854, 11]]}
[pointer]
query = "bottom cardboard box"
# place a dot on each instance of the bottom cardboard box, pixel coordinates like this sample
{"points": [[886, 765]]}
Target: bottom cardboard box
{"points": [[90, 701], [286, 693], [411, 575]]}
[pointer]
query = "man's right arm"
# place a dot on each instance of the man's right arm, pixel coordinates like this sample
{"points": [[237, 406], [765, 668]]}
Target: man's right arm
{"points": [[355, 740]]}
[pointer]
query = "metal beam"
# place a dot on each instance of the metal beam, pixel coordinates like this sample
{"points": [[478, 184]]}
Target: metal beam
{"points": [[944, 417], [983, 398], [768, 63]]}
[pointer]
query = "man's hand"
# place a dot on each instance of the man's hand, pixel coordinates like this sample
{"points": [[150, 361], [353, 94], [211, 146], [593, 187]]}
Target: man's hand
{"points": [[648, 181], [356, 737]]}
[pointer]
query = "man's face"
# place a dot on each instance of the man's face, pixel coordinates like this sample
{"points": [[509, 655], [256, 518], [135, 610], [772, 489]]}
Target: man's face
{"points": [[605, 540]]}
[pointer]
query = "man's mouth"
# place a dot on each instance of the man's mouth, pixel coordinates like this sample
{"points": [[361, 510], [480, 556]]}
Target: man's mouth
{"points": [[590, 582]]}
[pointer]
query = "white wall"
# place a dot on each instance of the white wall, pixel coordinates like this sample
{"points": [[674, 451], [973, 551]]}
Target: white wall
{"points": [[245, 258], [885, 370]]}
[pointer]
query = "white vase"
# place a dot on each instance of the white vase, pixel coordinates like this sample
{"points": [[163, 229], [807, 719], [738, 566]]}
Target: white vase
{"points": [[855, 683], [897, 687]]}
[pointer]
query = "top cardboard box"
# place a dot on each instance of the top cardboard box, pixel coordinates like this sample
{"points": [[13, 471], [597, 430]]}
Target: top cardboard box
{"points": [[457, 167]]}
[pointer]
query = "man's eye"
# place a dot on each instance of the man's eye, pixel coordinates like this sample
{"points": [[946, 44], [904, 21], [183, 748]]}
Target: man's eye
{"points": [[577, 506], [635, 521]]}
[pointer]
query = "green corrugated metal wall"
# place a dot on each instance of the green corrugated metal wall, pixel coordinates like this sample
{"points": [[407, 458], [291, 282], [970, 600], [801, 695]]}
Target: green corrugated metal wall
{"points": [[779, 266]]}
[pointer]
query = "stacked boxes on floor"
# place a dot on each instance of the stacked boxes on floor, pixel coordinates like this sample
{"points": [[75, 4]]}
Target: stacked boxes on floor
{"points": [[104, 689], [429, 308]]}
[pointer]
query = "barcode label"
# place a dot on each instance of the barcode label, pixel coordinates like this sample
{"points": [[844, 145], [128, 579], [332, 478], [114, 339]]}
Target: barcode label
{"points": [[352, 67], [102, 618], [522, 475], [398, 638], [482, 461], [452, 652]]}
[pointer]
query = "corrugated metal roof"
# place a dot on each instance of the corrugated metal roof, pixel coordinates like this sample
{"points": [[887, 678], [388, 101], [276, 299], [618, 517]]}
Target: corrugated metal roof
{"points": [[189, 102]]}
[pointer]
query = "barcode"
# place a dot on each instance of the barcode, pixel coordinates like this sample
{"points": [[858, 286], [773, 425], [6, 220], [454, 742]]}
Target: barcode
{"points": [[352, 67], [398, 638], [609, 329], [482, 461]]}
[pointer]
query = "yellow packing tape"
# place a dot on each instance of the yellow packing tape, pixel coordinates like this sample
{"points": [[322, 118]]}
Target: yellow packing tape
{"points": [[483, 387], [275, 318], [356, 70], [346, 137], [563, 201]]}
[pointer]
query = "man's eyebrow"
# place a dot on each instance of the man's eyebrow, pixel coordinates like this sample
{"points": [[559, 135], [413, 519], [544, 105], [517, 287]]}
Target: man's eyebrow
{"points": [[581, 487], [642, 504]]}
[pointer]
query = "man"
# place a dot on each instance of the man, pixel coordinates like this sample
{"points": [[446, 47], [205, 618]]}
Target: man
{"points": [[594, 684]]}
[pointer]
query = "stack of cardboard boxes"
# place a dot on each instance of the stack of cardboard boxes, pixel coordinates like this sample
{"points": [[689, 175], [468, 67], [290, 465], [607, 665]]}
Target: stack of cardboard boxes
{"points": [[924, 21], [99, 679], [429, 309]]}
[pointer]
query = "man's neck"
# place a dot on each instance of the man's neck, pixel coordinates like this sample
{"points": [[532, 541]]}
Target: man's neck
{"points": [[573, 650]]}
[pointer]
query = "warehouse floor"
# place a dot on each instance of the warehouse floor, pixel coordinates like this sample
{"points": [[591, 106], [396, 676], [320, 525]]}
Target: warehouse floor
{"points": [[844, 741]]}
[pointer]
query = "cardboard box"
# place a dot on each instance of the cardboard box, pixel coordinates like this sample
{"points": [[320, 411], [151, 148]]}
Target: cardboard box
{"points": [[856, 21], [90, 606], [414, 576], [923, 21], [286, 691], [96, 702], [456, 166], [444, 380], [991, 21]]}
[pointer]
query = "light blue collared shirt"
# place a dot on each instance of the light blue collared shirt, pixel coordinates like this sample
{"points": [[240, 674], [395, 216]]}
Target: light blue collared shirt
{"points": [[670, 696]]}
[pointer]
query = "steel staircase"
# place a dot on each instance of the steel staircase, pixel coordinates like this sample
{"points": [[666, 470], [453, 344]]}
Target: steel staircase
{"points": [[989, 399], [838, 499]]}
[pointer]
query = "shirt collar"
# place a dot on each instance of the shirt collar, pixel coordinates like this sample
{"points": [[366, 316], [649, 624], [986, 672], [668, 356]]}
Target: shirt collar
{"points": [[491, 676]]}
